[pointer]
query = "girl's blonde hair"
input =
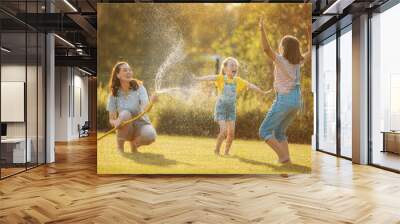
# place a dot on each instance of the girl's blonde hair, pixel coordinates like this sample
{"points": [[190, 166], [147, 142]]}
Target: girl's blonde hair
{"points": [[225, 63], [291, 49]]}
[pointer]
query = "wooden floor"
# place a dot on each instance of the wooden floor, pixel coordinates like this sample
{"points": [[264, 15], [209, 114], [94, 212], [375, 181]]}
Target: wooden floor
{"points": [[387, 159], [70, 191], [5, 172]]}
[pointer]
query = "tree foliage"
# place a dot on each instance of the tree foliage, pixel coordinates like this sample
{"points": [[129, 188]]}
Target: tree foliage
{"points": [[144, 35]]}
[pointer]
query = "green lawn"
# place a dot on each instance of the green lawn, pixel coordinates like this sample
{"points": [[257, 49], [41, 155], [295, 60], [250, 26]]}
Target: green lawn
{"points": [[195, 155]]}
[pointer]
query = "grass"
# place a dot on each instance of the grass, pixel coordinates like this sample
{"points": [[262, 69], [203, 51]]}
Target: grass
{"points": [[195, 155]]}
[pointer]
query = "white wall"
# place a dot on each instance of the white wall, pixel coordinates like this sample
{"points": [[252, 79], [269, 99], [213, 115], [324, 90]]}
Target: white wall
{"points": [[70, 83], [81, 88], [61, 103]]}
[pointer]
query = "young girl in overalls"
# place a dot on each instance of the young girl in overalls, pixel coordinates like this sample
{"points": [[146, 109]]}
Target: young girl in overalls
{"points": [[288, 94], [228, 84]]}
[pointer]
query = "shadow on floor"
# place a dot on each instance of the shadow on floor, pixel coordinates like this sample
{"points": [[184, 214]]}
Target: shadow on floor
{"points": [[148, 158], [288, 167]]}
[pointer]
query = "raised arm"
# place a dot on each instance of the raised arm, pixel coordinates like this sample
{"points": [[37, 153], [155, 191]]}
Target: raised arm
{"points": [[206, 78], [264, 41]]}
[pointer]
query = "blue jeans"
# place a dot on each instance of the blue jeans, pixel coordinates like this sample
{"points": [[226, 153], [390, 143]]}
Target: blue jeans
{"points": [[280, 115]]}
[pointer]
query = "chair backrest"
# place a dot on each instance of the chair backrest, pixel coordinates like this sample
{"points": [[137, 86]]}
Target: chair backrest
{"points": [[86, 125]]}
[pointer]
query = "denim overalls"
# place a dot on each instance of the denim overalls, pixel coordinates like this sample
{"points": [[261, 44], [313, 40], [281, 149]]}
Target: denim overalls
{"points": [[225, 108], [282, 112]]}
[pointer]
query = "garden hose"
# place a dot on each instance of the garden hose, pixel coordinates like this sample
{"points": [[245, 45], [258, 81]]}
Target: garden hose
{"points": [[146, 110]]}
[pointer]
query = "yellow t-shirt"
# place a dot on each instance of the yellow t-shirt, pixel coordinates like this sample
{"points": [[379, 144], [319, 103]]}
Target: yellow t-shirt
{"points": [[241, 84]]}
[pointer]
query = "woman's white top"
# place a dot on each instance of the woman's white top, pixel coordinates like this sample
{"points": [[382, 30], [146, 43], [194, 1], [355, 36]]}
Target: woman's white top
{"points": [[286, 75]]}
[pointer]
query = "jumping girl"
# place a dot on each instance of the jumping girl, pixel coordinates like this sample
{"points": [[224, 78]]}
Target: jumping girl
{"points": [[128, 98], [228, 84], [288, 95]]}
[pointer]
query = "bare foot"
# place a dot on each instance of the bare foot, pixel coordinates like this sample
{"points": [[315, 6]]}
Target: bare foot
{"points": [[134, 147], [285, 160]]}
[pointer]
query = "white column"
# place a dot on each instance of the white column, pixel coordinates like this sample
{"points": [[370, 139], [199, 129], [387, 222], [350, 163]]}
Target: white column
{"points": [[360, 90], [50, 93]]}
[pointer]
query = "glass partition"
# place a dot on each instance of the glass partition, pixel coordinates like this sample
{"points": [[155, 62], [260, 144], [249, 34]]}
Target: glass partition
{"points": [[346, 93], [327, 95], [22, 78], [13, 146], [385, 89]]}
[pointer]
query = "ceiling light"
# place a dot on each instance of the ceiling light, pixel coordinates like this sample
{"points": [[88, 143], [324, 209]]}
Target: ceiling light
{"points": [[64, 40], [5, 50], [84, 71], [70, 5], [338, 6]]}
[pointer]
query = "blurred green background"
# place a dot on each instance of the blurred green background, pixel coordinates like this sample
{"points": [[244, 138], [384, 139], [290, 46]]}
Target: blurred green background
{"points": [[145, 34]]}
